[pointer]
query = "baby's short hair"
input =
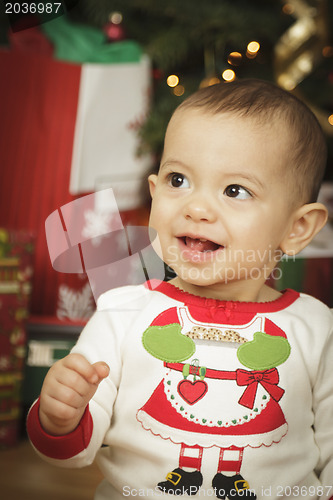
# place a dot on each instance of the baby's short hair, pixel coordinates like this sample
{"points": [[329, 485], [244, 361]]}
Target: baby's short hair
{"points": [[264, 102]]}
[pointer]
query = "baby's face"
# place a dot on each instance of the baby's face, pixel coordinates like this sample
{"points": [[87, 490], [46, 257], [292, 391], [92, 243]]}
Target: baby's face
{"points": [[220, 204]]}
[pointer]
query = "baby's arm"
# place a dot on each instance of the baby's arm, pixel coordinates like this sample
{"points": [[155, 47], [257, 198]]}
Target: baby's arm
{"points": [[68, 423], [67, 389], [323, 413]]}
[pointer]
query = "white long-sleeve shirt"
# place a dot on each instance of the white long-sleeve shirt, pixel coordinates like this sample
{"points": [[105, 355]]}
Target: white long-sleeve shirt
{"points": [[266, 387]]}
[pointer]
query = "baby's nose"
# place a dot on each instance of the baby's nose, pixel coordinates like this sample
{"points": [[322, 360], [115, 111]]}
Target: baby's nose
{"points": [[200, 208]]}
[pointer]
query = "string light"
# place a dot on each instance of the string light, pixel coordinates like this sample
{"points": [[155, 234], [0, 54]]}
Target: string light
{"points": [[207, 82], [116, 17], [286, 81], [235, 58], [330, 119], [179, 90], [172, 80], [327, 51], [213, 81], [228, 75], [288, 9], [252, 49]]}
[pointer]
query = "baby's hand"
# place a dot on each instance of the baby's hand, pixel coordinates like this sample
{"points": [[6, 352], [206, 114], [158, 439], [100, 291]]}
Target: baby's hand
{"points": [[67, 389]]}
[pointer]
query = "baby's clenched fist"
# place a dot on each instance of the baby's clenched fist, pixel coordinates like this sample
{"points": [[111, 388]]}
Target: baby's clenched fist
{"points": [[67, 389]]}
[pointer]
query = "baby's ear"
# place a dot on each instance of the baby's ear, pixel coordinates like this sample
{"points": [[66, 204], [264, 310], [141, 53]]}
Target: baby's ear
{"points": [[305, 223], [152, 180]]}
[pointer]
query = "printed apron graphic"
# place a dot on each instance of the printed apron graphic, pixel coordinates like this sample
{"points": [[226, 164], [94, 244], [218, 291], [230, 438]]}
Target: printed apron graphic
{"points": [[207, 398]]}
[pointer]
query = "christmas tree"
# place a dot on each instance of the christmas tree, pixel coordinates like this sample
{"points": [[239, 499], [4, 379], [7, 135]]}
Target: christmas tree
{"points": [[195, 43]]}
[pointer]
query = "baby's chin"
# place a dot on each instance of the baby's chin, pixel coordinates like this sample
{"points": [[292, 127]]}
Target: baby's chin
{"points": [[198, 280]]}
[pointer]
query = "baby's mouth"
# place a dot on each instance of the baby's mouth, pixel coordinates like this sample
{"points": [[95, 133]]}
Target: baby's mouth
{"points": [[201, 244]]}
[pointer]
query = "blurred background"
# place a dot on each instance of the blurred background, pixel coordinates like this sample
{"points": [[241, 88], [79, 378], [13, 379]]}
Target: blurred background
{"points": [[86, 90]]}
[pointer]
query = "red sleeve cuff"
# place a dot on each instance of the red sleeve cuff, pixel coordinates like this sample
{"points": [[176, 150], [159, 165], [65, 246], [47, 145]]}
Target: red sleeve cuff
{"points": [[60, 447]]}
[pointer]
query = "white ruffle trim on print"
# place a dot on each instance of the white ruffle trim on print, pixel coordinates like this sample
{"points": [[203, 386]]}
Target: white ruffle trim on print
{"points": [[178, 436]]}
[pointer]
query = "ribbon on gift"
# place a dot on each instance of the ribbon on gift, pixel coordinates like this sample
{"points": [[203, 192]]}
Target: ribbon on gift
{"points": [[79, 43], [268, 379]]}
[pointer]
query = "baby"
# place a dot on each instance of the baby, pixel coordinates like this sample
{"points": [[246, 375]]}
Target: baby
{"points": [[211, 384]]}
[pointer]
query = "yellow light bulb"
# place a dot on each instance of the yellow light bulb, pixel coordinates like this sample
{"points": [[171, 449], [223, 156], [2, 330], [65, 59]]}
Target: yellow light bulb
{"points": [[228, 75], [288, 9], [327, 51], [235, 58], [116, 17], [330, 119], [253, 47], [172, 80], [179, 90]]}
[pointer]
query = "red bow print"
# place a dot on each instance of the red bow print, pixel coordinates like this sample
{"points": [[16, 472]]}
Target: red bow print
{"points": [[268, 379]]}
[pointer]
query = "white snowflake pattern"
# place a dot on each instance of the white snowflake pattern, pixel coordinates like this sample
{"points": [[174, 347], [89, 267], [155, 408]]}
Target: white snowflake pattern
{"points": [[75, 304], [4, 363]]}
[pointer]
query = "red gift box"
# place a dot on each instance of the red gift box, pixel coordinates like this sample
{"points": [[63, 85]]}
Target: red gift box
{"points": [[40, 110]]}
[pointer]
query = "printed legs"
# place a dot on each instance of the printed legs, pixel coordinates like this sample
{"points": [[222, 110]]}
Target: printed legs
{"points": [[187, 478], [228, 483]]}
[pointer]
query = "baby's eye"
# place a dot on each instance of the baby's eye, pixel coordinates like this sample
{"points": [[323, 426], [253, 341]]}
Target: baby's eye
{"points": [[236, 191], [178, 180]]}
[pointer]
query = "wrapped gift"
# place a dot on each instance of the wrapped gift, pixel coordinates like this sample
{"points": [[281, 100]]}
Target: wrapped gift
{"points": [[16, 253], [70, 105]]}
